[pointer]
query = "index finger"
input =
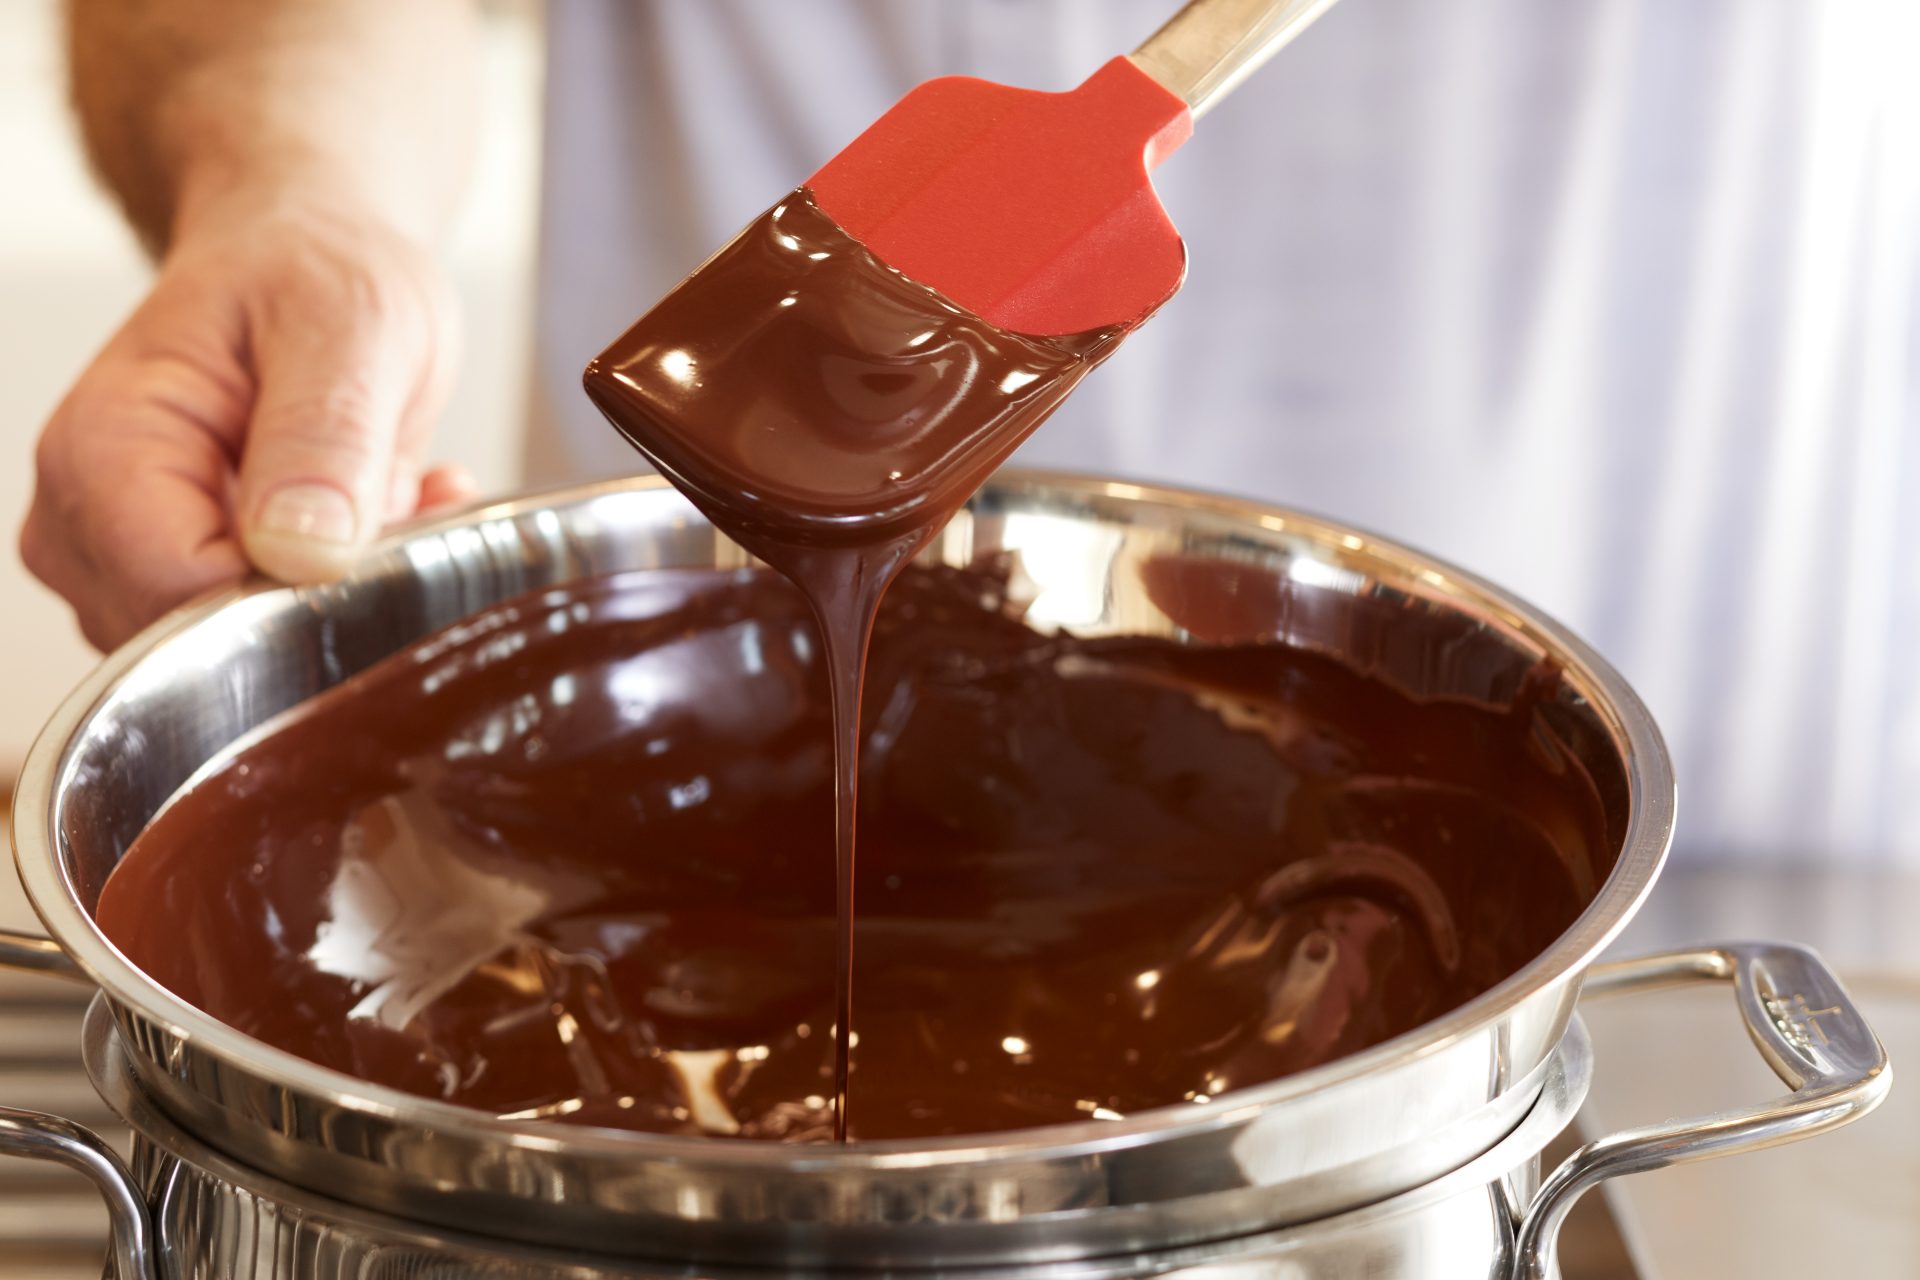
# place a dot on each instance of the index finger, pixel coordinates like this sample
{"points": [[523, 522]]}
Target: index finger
{"points": [[149, 529]]}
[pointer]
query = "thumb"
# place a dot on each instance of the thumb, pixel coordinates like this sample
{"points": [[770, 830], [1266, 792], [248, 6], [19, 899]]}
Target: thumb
{"points": [[319, 453]]}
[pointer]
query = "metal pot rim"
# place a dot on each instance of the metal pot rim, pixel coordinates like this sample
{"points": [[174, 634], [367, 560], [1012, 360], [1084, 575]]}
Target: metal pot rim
{"points": [[1643, 851]]}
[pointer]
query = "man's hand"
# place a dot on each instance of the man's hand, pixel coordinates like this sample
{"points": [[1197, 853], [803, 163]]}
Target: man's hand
{"points": [[269, 402], [289, 163]]}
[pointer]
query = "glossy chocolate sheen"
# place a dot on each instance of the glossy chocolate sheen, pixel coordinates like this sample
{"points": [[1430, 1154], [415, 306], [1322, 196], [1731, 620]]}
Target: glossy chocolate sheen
{"points": [[829, 414], [573, 858], [800, 391]]}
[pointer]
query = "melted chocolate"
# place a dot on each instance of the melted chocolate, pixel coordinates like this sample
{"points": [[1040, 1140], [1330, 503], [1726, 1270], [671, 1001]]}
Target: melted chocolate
{"points": [[570, 859], [829, 414]]}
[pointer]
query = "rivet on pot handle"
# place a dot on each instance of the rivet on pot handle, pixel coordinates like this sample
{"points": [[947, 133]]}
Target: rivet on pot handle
{"points": [[1805, 1027]]}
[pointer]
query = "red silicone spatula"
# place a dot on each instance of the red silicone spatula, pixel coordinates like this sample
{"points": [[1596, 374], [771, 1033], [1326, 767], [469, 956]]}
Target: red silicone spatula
{"points": [[1034, 210], [980, 249]]}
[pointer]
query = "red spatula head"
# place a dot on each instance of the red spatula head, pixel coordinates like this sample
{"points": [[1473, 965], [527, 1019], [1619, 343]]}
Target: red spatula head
{"points": [[1032, 210]]}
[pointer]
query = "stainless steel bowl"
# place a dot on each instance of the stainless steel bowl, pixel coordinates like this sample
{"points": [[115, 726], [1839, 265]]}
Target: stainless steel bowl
{"points": [[1359, 1130]]}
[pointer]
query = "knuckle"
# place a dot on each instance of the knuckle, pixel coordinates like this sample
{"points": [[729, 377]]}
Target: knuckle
{"points": [[337, 420], [50, 455], [34, 548], [94, 626], [59, 497], [361, 289], [362, 282]]}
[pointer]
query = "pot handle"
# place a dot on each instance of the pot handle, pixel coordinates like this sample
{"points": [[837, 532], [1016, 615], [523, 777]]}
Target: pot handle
{"points": [[36, 955], [34, 1135], [1804, 1025], [38, 1136]]}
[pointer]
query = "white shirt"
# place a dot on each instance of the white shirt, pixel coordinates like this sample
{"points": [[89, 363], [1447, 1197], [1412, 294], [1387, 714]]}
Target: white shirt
{"points": [[1615, 302]]}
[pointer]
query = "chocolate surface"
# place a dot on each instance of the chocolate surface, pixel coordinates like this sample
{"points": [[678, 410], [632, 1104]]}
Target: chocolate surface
{"points": [[573, 858]]}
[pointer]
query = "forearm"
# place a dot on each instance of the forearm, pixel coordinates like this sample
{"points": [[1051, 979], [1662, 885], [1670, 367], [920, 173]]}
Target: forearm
{"points": [[189, 106]]}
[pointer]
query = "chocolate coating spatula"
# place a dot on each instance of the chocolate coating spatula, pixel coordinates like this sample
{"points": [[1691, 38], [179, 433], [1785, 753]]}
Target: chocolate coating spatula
{"points": [[989, 245]]}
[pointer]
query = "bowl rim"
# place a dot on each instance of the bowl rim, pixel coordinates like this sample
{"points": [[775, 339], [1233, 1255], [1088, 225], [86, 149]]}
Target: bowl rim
{"points": [[1646, 838]]}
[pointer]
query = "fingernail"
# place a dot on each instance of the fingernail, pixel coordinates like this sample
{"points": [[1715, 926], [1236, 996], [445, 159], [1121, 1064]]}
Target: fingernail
{"points": [[314, 512]]}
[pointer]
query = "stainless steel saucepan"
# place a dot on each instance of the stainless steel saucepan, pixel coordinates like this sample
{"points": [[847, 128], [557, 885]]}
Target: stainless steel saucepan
{"points": [[1370, 1129]]}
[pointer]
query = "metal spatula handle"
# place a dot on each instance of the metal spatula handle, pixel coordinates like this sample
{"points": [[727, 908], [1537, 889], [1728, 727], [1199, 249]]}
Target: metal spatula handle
{"points": [[1210, 46]]}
